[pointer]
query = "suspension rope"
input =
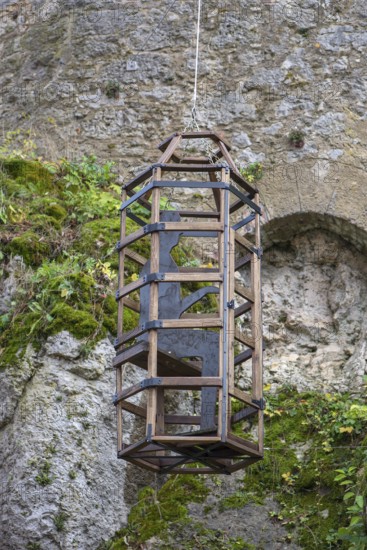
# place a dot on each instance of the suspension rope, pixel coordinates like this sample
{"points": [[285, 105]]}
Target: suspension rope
{"points": [[196, 61], [194, 98]]}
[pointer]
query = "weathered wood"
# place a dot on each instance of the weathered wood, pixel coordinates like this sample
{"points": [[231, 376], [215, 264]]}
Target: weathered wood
{"points": [[135, 409], [173, 167], [186, 439], [242, 396], [243, 308], [140, 178], [153, 312], [242, 357], [211, 446], [245, 243], [244, 339], [168, 364], [244, 292], [199, 214], [132, 255], [131, 304], [257, 359], [241, 262]]}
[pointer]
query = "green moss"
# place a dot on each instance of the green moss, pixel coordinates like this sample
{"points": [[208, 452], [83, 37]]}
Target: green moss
{"points": [[28, 171], [49, 206], [80, 323], [98, 237], [44, 224], [14, 340], [156, 510], [30, 247]]}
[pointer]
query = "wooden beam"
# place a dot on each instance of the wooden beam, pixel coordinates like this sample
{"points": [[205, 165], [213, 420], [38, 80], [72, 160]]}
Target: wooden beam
{"points": [[244, 292], [246, 340]]}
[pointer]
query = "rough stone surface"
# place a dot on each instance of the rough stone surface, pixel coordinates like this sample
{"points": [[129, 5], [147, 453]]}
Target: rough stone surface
{"points": [[58, 450], [265, 69]]}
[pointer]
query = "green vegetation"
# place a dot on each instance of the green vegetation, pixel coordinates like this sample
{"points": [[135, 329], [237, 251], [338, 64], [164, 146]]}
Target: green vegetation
{"points": [[314, 467], [60, 520], [62, 220], [252, 172], [43, 477], [112, 89]]}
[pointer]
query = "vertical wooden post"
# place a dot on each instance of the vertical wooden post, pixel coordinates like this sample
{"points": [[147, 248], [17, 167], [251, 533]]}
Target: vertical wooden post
{"points": [[256, 310], [231, 319], [153, 310], [120, 321], [223, 336]]}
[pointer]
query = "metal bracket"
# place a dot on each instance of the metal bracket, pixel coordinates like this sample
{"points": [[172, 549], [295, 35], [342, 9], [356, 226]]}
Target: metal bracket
{"points": [[151, 325], [230, 304], [114, 399], [118, 244], [152, 277], [117, 294], [258, 251], [149, 433], [151, 227], [261, 403], [150, 383]]}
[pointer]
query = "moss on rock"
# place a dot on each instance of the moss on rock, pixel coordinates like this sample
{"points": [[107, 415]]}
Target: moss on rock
{"points": [[28, 171], [30, 247], [80, 323]]}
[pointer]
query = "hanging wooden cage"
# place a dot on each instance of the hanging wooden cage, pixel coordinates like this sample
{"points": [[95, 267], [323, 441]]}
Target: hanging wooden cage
{"points": [[199, 396]]}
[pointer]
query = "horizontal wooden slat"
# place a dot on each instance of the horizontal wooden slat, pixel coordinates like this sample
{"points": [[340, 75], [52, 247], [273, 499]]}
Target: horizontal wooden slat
{"points": [[191, 167], [135, 236], [243, 308], [245, 243], [248, 446], [244, 413], [241, 262], [135, 409], [242, 357], [190, 382], [131, 287], [186, 277], [132, 255], [187, 439], [168, 364], [246, 340], [197, 226], [181, 419], [192, 323], [131, 304], [197, 270], [140, 178], [244, 292], [242, 396], [198, 214]]}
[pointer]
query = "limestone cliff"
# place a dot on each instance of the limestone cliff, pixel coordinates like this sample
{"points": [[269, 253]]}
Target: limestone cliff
{"points": [[113, 78]]}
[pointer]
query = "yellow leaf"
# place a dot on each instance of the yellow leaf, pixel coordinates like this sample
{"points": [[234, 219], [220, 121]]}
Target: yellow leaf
{"points": [[267, 387], [348, 430], [64, 292], [134, 277]]}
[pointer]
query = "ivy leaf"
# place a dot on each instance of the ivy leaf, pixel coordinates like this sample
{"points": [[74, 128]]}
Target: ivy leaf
{"points": [[348, 495], [359, 501]]}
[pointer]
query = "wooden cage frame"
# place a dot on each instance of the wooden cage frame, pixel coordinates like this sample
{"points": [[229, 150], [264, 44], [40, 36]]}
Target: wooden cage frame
{"points": [[218, 450]]}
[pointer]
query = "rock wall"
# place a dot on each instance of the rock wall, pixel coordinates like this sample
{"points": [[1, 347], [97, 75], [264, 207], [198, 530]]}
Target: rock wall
{"points": [[113, 78], [61, 485]]}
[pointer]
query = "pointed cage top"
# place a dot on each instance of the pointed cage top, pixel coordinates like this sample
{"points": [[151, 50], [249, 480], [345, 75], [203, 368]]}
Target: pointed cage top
{"points": [[171, 161]]}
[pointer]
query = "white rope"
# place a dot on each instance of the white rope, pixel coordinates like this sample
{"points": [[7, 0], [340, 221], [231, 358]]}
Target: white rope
{"points": [[196, 64]]}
